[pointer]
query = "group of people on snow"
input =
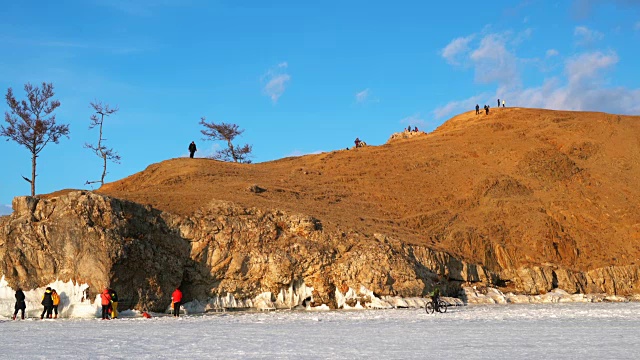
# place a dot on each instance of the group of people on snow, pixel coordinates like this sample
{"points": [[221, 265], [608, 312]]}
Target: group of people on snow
{"points": [[108, 300]]}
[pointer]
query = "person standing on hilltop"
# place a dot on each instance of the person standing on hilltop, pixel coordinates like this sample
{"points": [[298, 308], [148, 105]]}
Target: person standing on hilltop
{"points": [[176, 299], [20, 304], [477, 109], [47, 302], [503, 102], [498, 102], [192, 149], [357, 142], [105, 301]]}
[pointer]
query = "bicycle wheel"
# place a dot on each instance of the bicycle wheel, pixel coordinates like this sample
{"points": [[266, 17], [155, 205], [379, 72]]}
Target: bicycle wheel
{"points": [[442, 306], [429, 308]]}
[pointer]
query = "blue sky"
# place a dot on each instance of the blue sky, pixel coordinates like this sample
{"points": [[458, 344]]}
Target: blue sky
{"points": [[299, 77]]}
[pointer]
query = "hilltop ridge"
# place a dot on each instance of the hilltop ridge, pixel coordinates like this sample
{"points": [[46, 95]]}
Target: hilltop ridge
{"points": [[519, 187]]}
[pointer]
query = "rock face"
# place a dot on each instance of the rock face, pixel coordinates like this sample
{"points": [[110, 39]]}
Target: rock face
{"points": [[92, 239], [224, 249]]}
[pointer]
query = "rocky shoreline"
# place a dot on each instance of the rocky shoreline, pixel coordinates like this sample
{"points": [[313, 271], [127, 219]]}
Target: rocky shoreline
{"points": [[226, 256]]}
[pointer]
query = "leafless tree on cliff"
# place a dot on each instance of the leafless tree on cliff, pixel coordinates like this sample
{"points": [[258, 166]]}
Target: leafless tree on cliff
{"points": [[226, 132], [32, 124], [102, 151]]}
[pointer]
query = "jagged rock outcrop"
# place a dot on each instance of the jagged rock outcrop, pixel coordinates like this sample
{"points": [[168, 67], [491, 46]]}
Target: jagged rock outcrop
{"points": [[227, 250], [93, 239]]}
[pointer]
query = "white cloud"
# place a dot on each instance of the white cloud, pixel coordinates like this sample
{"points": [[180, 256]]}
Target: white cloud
{"points": [[456, 47], [494, 62], [5, 209], [583, 85], [637, 26], [276, 80], [586, 36], [363, 95], [583, 89]]}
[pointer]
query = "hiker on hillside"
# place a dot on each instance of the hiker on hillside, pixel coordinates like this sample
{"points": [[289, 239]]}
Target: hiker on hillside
{"points": [[486, 109], [114, 303], [56, 301], [20, 304], [192, 149], [47, 302], [498, 102], [357, 142], [477, 109], [502, 103], [105, 301], [176, 300], [415, 129]]}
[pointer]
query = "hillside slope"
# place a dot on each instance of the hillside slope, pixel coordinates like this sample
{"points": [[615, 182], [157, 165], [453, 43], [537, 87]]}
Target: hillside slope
{"points": [[520, 187]]}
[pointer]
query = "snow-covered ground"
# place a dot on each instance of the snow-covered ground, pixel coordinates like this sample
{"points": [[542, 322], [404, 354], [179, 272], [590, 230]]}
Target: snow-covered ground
{"points": [[532, 331]]}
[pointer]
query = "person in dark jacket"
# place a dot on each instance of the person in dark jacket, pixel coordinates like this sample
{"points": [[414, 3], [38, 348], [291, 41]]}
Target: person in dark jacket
{"points": [[20, 304], [176, 299], [47, 302], [477, 109], [192, 149], [114, 303]]}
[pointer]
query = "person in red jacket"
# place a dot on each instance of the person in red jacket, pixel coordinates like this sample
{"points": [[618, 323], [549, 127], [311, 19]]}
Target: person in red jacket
{"points": [[176, 299], [106, 301]]}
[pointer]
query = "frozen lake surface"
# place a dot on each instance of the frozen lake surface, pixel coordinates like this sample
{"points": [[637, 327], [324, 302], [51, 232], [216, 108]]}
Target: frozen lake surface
{"points": [[553, 331]]}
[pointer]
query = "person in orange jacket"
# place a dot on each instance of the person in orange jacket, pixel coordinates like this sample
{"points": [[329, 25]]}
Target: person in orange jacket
{"points": [[105, 298], [176, 299], [56, 301]]}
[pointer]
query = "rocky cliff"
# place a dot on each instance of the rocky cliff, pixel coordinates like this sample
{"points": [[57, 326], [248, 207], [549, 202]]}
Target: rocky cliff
{"points": [[225, 250]]}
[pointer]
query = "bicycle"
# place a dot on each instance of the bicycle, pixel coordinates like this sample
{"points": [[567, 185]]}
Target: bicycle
{"points": [[430, 307]]}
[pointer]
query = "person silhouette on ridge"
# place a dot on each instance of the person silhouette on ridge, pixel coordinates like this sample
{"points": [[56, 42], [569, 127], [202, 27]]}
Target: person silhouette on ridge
{"points": [[477, 109], [192, 149]]}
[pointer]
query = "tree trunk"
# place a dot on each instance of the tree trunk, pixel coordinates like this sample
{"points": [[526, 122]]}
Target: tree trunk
{"points": [[104, 169], [33, 174]]}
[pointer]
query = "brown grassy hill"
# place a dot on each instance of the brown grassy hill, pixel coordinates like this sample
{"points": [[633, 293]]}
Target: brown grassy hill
{"points": [[517, 187]]}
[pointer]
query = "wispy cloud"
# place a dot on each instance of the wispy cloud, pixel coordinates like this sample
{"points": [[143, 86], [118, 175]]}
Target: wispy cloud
{"points": [[637, 26], [414, 120], [584, 8], [552, 53], [362, 95], [585, 36], [141, 7], [459, 106], [493, 62], [71, 45], [296, 153], [582, 86], [5, 209], [455, 48], [276, 80]]}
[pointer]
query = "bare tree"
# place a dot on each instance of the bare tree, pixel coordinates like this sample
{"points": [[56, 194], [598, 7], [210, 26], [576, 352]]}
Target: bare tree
{"points": [[32, 123], [102, 151], [226, 132]]}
